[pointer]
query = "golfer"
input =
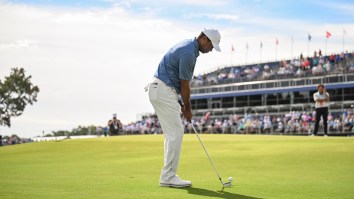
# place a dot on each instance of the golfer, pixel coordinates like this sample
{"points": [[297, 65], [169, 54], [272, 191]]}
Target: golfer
{"points": [[171, 79], [321, 105]]}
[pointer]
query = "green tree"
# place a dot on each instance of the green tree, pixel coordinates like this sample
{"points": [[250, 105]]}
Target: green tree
{"points": [[15, 93], [61, 133]]}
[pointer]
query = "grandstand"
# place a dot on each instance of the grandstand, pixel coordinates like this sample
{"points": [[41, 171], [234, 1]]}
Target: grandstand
{"points": [[268, 98], [244, 95]]}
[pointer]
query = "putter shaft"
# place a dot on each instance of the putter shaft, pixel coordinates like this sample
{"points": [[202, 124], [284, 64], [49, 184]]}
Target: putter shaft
{"points": [[212, 163]]}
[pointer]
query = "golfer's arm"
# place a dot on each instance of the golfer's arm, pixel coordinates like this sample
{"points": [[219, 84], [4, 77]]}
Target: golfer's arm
{"points": [[186, 93]]}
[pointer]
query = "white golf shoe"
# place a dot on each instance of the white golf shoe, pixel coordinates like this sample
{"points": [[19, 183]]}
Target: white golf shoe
{"points": [[175, 182]]}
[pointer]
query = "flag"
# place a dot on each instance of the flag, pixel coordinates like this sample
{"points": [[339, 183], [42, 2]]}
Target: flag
{"points": [[232, 48], [309, 37], [328, 34], [276, 41], [247, 46], [261, 44], [344, 32]]}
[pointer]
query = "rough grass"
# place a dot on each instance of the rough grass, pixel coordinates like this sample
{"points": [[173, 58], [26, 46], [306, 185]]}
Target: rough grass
{"points": [[129, 167]]}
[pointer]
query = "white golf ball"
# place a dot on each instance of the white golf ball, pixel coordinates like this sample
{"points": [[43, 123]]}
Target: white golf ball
{"points": [[231, 178]]}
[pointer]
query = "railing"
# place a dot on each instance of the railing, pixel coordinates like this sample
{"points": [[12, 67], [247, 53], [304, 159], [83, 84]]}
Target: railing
{"points": [[271, 84], [340, 67]]}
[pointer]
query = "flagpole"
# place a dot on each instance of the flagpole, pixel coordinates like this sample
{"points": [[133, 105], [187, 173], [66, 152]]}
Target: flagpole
{"points": [[232, 54], [308, 44], [246, 54], [326, 46], [260, 53], [292, 46], [276, 49], [328, 34], [343, 40]]}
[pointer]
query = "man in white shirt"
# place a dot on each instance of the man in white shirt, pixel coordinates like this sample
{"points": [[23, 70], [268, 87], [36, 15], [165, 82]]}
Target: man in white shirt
{"points": [[321, 105]]}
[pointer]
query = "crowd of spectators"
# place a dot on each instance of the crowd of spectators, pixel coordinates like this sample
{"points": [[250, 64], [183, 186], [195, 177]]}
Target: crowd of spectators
{"points": [[149, 124], [13, 139], [291, 123], [295, 68]]}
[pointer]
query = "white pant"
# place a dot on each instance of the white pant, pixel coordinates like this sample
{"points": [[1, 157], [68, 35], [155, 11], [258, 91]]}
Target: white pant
{"points": [[164, 99]]}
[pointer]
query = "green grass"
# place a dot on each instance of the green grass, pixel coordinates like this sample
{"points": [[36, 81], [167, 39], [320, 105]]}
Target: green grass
{"points": [[129, 167]]}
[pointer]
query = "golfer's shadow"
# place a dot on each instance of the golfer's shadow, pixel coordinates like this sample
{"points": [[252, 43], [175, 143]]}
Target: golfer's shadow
{"points": [[217, 194]]}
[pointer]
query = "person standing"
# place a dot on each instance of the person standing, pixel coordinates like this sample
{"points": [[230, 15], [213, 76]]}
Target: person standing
{"points": [[321, 99], [172, 78], [114, 125]]}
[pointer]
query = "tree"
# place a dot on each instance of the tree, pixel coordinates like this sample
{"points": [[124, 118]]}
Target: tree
{"points": [[15, 93], [80, 130]]}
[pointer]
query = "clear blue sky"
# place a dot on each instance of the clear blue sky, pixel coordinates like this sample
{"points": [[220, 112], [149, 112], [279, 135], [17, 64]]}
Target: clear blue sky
{"points": [[319, 11]]}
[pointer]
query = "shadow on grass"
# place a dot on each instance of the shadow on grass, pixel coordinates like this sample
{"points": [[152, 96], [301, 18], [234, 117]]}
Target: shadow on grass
{"points": [[217, 194]]}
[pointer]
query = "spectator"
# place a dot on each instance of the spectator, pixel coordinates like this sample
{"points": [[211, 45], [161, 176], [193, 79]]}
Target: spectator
{"points": [[99, 131], [233, 120], [267, 72], [321, 99], [267, 124], [351, 68], [332, 59], [114, 125], [240, 126], [105, 131], [280, 126], [299, 73]]}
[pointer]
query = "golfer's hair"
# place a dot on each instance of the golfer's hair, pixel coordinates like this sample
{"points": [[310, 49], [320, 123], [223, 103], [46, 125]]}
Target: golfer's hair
{"points": [[320, 85], [202, 35]]}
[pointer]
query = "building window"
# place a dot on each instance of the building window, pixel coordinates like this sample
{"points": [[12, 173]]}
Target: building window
{"points": [[348, 93], [199, 104], [241, 101], [271, 99], [227, 102], [255, 100], [283, 98], [301, 97], [336, 95], [216, 103]]}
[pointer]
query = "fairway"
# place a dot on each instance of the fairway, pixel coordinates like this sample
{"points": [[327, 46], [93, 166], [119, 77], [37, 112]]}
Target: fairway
{"points": [[129, 167]]}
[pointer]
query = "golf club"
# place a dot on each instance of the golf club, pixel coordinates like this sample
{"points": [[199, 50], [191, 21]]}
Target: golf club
{"points": [[226, 184]]}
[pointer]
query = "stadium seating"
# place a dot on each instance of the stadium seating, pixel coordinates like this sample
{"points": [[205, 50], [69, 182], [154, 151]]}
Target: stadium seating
{"points": [[268, 98]]}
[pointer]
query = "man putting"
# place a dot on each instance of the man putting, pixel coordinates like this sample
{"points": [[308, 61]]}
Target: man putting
{"points": [[172, 78]]}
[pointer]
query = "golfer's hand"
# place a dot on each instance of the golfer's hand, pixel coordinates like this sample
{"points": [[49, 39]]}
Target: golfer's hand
{"points": [[187, 114], [182, 107]]}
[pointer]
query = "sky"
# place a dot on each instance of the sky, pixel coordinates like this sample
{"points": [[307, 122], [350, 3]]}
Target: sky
{"points": [[93, 58]]}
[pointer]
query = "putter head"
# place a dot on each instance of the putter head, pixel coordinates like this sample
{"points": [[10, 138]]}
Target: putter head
{"points": [[227, 184]]}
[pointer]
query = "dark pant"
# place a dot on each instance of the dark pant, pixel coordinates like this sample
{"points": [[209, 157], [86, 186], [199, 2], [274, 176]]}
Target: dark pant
{"points": [[324, 113]]}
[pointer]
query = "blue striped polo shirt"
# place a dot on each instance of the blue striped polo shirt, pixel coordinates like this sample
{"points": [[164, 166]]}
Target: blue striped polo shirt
{"points": [[178, 63]]}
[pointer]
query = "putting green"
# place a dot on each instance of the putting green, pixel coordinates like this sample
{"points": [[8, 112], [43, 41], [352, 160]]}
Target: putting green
{"points": [[129, 167]]}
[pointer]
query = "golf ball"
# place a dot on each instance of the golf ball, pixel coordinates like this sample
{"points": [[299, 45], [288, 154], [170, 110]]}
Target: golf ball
{"points": [[231, 178]]}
